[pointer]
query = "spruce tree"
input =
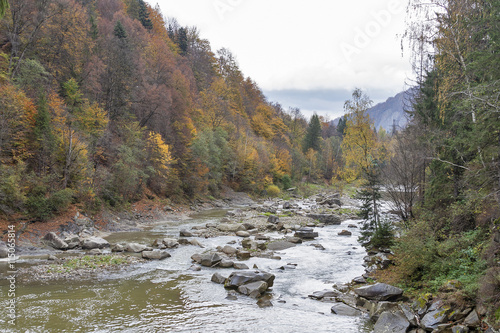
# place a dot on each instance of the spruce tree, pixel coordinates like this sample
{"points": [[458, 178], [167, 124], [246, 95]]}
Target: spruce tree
{"points": [[313, 135]]}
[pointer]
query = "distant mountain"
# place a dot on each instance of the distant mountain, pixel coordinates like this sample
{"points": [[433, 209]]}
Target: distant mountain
{"points": [[389, 113]]}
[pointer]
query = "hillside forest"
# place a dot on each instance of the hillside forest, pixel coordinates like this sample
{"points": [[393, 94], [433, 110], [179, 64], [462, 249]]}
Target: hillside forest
{"points": [[105, 103]]}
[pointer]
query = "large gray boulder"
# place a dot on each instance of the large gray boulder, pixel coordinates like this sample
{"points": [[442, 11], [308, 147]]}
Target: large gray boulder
{"points": [[306, 233], [342, 309], [218, 278], [391, 322], [237, 279], [155, 255], [472, 319], [170, 243], [210, 259], [432, 319], [379, 292], [253, 289], [135, 247], [52, 240], [94, 243], [324, 293], [326, 218], [280, 245]]}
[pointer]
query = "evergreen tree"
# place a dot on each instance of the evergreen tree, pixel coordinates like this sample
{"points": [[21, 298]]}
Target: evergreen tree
{"points": [[341, 126], [144, 15], [182, 40], [119, 31], [312, 140]]}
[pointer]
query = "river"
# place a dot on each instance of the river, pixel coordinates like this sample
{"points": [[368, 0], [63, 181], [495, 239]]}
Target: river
{"points": [[165, 296]]}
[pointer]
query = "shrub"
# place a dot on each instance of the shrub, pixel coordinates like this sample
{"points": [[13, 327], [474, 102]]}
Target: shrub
{"points": [[273, 190], [61, 200], [286, 182]]}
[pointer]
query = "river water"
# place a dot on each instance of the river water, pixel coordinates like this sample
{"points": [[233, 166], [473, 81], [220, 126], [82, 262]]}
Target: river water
{"points": [[165, 296]]}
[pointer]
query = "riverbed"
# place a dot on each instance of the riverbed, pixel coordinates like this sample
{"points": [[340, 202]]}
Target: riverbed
{"points": [[166, 296]]}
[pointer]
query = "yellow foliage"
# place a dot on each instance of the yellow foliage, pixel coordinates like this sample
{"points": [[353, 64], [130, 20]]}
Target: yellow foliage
{"points": [[360, 147], [159, 154], [281, 163]]}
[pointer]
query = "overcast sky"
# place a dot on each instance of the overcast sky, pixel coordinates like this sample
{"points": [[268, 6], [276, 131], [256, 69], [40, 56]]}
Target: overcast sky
{"points": [[307, 54]]}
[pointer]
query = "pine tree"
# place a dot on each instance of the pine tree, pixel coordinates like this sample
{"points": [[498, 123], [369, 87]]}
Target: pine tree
{"points": [[119, 31], [312, 140]]}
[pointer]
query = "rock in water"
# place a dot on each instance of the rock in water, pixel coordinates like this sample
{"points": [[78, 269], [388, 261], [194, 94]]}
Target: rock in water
{"points": [[135, 247], [254, 289], [326, 218], [306, 233], [240, 278], [379, 292], [54, 241], [94, 243], [218, 278], [210, 259], [391, 322], [155, 255], [342, 309]]}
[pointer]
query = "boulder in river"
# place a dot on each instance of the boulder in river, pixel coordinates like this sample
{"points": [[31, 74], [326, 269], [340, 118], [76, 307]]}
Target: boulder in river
{"points": [[155, 255], [225, 263], [135, 247], [243, 255], [242, 233], [210, 259], [239, 278], [229, 250], [218, 278], [185, 233], [279, 245], [54, 241], [345, 233], [326, 218], [230, 227], [94, 243], [324, 293], [391, 322], [379, 292], [170, 243], [342, 309], [253, 289], [273, 219], [306, 233], [239, 265]]}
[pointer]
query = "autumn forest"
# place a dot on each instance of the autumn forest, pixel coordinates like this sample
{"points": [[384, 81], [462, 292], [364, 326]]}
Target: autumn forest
{"points": [[105, 103]]}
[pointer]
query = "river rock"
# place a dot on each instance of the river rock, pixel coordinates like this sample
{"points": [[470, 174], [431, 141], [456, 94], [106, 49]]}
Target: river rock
{"points": [[185, 233], [391, 322], [94, 243], [306, 233], [273, 219], [230, 227], [472, 319], [54, 241], [294, 240], [359, 279], [95, 252], [319, 295], [239, 278], [248, 243], [249, 226], [4, 250], [434, 317], [242, 233], [326, 218], [229, 250], [379, 292], [342, 309], [135, 247], [345, 233], [253, 289], [155, 255], [261, 237], [225, 263], [280, 245], [170, 243], [210, 259], [218, 278], [72, 240], [195, 242], [243, 255], [239, 265], [117, 248], [264, 303]]}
